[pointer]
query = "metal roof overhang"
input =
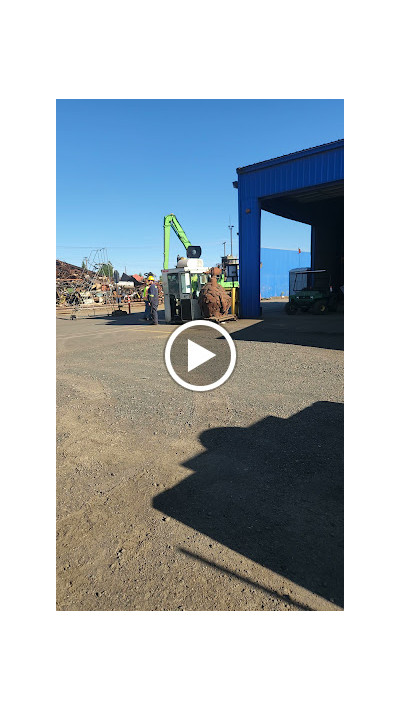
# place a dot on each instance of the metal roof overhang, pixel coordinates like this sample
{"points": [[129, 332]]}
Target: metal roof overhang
{"points": [[306, 153], [307, 205], [305, 176]]}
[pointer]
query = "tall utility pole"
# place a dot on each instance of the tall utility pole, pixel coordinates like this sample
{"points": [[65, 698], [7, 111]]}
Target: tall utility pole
{"points": [[224, 243], [230, 227]]}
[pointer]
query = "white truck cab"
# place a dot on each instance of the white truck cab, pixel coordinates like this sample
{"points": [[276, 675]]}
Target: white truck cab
{"points": [[181, 287]]}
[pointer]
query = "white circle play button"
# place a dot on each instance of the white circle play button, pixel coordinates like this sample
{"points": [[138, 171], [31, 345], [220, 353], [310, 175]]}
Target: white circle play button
{"points": [[197, 355], [205, 360]]}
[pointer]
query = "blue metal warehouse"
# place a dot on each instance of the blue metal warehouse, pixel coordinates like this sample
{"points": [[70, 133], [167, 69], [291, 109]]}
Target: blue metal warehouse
{"points": [[307, 186]]}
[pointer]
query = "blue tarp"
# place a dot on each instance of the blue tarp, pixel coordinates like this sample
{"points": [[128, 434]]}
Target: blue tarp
{"points": [[274, 273]]}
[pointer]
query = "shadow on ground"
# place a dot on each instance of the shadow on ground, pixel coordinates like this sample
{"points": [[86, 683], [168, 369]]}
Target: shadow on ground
{"points": [[275, 326], [134, 319], [273, 493], [302, 329], [125, 319]]}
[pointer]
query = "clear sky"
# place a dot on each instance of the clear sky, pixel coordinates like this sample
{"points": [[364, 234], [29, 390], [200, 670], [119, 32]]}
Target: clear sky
{"points": [[123, 165]]}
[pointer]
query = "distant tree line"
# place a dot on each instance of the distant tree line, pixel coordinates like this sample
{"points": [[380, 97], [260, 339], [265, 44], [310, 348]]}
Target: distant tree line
{"points": [[106, 270]]}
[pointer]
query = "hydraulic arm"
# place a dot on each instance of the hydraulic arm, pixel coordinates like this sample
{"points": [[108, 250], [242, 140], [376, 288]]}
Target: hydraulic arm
{"points": [[171, 221]]}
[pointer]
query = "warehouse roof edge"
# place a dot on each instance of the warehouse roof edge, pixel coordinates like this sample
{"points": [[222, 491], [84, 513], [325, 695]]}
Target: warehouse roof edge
{"points": [[332, 145]]}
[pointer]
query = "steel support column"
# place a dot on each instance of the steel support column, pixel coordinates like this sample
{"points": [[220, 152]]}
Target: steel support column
{"points": [[249, 256]]}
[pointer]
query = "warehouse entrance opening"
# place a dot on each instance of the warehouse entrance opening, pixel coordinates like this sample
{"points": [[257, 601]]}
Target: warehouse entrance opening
{"points": [[285, 245]]}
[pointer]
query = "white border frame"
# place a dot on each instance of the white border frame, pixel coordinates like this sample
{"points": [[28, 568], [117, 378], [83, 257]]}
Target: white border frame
{"points": [[183, 383]]}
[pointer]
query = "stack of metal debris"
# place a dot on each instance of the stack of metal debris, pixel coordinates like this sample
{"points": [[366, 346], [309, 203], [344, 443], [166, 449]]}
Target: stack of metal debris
{"points": [[76, 285], [70, 273], [133, 285], [214, 301]]}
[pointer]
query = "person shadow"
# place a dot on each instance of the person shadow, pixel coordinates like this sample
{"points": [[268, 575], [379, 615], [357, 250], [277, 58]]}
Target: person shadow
{"points": [[272, 492]]}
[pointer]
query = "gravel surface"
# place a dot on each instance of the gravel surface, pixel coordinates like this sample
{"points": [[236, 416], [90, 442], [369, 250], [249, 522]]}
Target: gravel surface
{"points": [[173, 500]]}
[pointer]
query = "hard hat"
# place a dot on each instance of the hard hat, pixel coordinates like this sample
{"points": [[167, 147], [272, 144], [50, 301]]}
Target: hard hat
{"points": [[150, 278]]}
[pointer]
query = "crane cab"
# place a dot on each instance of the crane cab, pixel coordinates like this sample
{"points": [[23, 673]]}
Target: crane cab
{"points": [[181, 287]]}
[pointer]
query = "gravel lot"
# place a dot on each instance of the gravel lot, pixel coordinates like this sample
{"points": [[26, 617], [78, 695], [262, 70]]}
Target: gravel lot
{"points": [[174, 500]]}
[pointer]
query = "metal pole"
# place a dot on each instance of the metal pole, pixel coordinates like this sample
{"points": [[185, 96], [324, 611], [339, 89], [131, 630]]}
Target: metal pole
{"points": [[224, 243], [231, 228]]}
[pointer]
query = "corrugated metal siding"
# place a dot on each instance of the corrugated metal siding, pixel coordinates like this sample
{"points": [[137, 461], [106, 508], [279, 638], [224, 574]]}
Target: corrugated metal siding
{"points": [[300, 173], [274, 273], [305, 169]]}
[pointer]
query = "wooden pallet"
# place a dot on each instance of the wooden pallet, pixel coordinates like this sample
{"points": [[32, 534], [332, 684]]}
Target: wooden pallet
{"points": [[220, 319]]}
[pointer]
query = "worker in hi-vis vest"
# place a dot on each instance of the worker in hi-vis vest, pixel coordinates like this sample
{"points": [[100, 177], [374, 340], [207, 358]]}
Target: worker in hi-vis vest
{"points": [[146, 315], [152, 298]]}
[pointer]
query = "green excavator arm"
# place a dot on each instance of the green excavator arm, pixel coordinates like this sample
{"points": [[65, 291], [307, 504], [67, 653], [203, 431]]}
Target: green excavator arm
{"points": [[171, 221]]}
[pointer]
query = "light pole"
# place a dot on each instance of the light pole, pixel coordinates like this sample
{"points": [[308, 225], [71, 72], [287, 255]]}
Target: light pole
{"points": [[230, 227]]}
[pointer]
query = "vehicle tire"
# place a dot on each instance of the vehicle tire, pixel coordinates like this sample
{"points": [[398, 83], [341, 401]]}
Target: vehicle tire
{"points": [[319, 308], [290, 308]]}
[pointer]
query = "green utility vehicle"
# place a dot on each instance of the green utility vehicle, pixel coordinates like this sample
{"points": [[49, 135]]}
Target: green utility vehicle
{"points": [[310, 290]]}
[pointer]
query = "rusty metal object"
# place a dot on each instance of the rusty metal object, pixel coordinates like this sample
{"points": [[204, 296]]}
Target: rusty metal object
{"points": [[213, 300]]}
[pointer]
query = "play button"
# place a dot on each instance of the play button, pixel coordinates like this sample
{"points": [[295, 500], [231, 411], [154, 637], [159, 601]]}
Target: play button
{"points": [[205, 360], [197, 355]]}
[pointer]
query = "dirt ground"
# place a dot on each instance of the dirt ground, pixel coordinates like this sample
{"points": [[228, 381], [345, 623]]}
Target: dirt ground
{"points": [[175, 500]]}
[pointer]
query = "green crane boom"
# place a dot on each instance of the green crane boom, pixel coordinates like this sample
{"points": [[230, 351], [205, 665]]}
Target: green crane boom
{"points": [[171, 221]]}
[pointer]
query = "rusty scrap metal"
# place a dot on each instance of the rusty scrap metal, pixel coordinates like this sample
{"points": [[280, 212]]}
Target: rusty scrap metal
{"points": [[213, 299]]}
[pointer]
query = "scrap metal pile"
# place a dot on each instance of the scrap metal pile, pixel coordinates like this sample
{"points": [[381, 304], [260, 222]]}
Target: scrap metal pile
{"points": [[140, 290], [213, 299], [160, 292], [76, 285], [134, 286], [67, 273]]}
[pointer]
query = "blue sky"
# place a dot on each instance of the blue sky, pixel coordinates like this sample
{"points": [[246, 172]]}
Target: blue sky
{"points": [[124, 164]]}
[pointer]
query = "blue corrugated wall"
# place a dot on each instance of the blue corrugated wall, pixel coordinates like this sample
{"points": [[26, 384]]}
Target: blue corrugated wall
{"points": [[274, 273]]}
